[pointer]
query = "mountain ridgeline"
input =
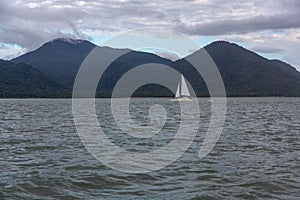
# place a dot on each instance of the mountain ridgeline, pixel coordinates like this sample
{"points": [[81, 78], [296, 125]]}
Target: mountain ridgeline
{"points": [[244, 73], [58, 59]]}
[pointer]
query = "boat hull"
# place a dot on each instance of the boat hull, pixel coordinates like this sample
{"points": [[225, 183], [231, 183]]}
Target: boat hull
{"points": [[182, 99]]}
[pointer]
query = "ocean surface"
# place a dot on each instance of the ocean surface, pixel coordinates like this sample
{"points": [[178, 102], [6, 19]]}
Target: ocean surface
{"points": [[257, 155]]}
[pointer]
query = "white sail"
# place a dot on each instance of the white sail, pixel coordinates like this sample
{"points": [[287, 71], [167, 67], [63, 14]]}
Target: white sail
{"points": [[184, 88], [178, 91]]}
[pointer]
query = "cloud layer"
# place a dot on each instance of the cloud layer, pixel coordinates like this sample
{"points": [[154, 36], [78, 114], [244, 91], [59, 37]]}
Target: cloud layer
{"points": [[30, 23], [242, 26]]}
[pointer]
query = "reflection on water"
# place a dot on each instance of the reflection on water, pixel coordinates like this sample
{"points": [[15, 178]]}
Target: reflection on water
{"points": [[257, 155]]}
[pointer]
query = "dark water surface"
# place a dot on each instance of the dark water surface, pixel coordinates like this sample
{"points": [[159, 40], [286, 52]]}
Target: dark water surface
{"points": [[256, 157]]}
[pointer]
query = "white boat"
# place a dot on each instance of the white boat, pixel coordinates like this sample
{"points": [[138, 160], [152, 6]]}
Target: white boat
{"points": [[182, 92]]}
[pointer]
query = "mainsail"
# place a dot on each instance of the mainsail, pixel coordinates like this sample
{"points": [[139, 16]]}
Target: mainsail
{"points": [[178, 90], [182, 88]]}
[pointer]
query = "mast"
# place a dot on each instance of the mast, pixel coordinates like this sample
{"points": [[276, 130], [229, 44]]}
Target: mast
{"points": [[180, 85]]}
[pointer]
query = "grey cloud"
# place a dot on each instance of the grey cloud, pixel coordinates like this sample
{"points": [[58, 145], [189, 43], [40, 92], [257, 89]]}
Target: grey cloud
{"points": [[258, 23], [40, 14], [28, 38], [285, 4], [141, 12], [30, 27], [78, 33]]}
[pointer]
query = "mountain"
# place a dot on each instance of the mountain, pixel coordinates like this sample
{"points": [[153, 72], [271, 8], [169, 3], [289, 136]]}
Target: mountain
{"points": [[126, 62], [244, 73], [285, 68], [61, 58], [23, 81], [58, 59]]}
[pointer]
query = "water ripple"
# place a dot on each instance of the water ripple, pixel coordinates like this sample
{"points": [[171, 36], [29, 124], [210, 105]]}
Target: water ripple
{"points": [[257, 156]]}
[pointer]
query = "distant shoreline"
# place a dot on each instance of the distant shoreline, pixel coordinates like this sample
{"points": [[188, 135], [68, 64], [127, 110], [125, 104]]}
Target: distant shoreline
{"points": [[230, 97]]}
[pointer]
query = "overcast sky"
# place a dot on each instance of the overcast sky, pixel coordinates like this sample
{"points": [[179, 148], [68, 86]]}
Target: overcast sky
{"points": [[268, 27]]}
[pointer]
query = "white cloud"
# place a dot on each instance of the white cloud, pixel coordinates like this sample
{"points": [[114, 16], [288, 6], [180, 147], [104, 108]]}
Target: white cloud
{"points": [[29, 23], [9, 51]]}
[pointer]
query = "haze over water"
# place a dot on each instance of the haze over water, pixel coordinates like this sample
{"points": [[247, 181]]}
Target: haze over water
{"points": [[257, 155]]}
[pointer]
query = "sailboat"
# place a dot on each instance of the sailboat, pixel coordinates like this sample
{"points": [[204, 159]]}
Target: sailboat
{"points": [[182, 92]]}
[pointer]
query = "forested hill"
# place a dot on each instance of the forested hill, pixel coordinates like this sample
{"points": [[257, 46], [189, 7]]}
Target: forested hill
{"points": [[244, 72], [23, 81]]}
